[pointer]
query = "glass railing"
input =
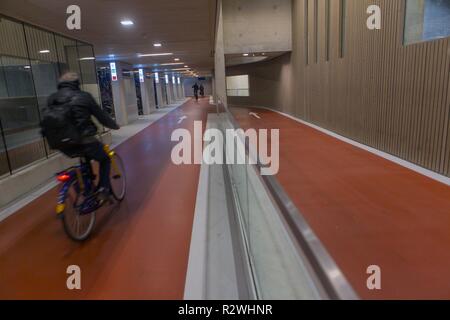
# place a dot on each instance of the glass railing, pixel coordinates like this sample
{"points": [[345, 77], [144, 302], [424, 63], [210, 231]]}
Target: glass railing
{"points": [[285, 258]]}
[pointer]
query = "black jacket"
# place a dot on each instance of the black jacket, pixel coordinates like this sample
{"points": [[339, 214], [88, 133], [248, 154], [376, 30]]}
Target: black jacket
{"points": [[83, 106]]}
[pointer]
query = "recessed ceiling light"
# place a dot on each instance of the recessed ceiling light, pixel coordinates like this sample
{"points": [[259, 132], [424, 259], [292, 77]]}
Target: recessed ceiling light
{"points": [[44, 51], [155, 54], [157, 44], [186, 66], [245, 54], [171, 64], [176, 59], [127, 22], [87, 58]]}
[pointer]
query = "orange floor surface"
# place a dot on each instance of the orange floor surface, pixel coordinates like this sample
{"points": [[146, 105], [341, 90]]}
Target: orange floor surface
{"points": [[139, 249], [366, 210]]}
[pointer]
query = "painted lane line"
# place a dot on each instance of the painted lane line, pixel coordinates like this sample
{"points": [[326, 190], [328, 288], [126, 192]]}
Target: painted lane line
{"points": [[254, 114], [182, 119]]}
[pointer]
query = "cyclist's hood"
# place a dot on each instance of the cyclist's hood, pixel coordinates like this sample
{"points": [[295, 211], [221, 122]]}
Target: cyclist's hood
{"points": [[74, 85]]}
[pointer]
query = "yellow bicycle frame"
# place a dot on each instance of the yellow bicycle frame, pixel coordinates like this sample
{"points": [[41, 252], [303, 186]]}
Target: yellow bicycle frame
{"points": [[111, 154]]}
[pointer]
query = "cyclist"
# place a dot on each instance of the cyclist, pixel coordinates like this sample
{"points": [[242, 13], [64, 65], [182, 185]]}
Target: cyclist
{"points": [[82, 107]]}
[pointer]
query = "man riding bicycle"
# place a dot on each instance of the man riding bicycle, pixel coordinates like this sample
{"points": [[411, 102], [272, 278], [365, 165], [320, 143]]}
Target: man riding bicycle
{"points": [[80, 106]]}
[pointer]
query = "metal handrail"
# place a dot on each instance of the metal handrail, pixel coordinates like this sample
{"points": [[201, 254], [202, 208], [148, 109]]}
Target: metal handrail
{"points": [[334, 283]]}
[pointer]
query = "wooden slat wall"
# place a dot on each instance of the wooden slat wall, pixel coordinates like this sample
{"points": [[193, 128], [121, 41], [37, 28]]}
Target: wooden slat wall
{"points": [[383, 94], [386, 95]]}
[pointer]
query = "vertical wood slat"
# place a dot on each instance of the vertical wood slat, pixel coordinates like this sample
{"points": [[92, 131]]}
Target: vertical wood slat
{"points": [[381, 93]]}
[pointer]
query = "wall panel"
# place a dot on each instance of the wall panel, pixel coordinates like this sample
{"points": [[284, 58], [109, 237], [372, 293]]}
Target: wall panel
{"points": [[381, 93]]}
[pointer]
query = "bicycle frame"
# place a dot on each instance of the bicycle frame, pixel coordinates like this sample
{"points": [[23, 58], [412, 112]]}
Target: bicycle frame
{"points": [[82, 174]]}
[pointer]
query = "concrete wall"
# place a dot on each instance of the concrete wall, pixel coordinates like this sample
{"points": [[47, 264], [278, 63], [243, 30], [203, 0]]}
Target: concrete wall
{"points": [[381, 93], [271, 83], [257, 26]]}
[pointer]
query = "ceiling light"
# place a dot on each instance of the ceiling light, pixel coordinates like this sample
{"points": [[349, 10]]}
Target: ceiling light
{"points": [[157, 44], [186, 66], [127, 22], [176, 59], [87, 58], [171, 64], [44, 51], [155, 54], [245, 54]]}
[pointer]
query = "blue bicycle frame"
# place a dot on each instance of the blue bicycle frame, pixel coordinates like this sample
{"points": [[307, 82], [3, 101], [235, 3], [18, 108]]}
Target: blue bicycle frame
{"points": [[81, 177]]}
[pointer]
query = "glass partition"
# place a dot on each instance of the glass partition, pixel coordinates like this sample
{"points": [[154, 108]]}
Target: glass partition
{"points": [[285, 258], [31, 61], [88, 70], [19, 104], [67, 54]]}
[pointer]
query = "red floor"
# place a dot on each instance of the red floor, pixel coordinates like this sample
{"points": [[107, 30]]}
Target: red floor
{"points": [[366, 210], [139, 250]]}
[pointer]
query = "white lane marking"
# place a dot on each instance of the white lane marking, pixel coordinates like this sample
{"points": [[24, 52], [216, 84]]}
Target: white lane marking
{"points": [[254, 114], [182, 119]]}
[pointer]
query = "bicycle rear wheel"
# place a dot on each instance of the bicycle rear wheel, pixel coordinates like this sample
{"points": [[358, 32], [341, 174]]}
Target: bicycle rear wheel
{"points": [[76, 225], [118, 178]]}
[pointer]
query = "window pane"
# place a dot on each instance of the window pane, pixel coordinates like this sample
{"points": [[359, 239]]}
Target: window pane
{"points": [[44, 63], [426, 20], [19, 110], [238, 86], [67, 54], [88, 71], [12, 39]]}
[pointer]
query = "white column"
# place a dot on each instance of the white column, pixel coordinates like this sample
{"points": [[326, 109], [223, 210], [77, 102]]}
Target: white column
{"points": [[124, 96], [170, 96], [148, 96]]}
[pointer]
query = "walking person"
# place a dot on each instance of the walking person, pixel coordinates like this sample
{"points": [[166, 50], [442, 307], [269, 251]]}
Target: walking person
{"points": [[196, 88]]}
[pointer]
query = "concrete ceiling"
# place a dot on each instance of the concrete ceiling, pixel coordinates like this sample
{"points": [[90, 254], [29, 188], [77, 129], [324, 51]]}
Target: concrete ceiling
{"points": [[184, 27]]}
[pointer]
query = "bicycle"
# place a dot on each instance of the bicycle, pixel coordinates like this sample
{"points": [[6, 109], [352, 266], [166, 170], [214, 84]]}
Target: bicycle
{"points": [[77, 199]]}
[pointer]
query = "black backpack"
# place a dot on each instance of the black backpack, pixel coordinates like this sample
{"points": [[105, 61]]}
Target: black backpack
{"points": [[58, 127]]}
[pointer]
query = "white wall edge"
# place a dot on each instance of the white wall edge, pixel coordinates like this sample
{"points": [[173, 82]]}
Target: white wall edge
{"points": [[195, 285]]}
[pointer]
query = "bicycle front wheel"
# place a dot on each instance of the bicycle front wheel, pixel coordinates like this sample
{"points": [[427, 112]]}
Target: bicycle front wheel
{"points": [[76, 225], [118, 178]]}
